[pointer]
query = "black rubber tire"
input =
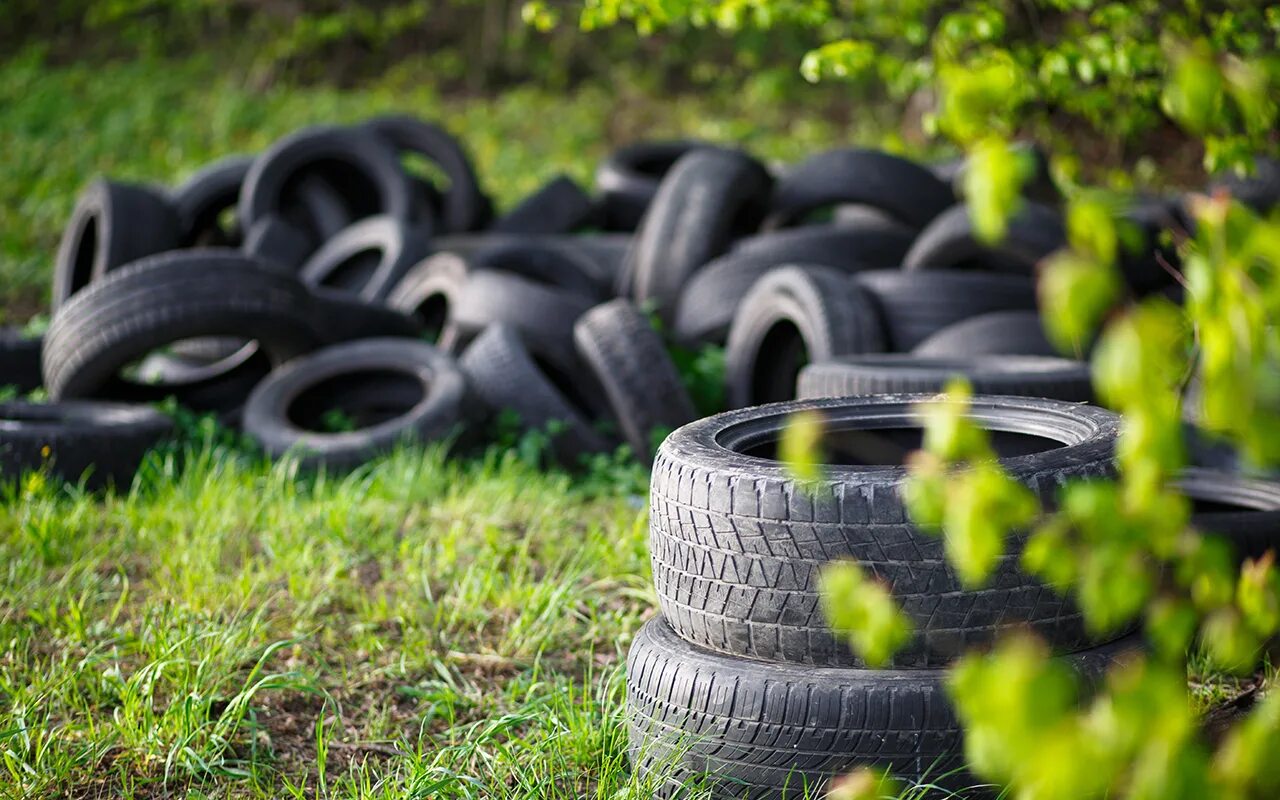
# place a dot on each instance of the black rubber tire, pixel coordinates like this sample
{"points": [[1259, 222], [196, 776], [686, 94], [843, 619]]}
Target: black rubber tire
{"points": [[320, 208], [950, 242], [706, 197], [362, 166], [113, 224], [997, 333], [341, 317], [101, 444], [505, 377], [544, 259], [639, 378], [628, 179], [20, 364], [1019, 376], [792, 316], [708, 301], [906, 191], [429, 292], [167, 298], [560, 206], [285, 408], [882, 247], [201, 200], [541, 315], [275, 240], [916, 305], [759, 731], [737, 544], [1244, 511], [369, 258], [463, 205]]}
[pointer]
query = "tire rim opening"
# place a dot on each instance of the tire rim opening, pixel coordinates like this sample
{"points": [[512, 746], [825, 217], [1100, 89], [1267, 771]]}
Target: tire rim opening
{"points": [[354, 401]]}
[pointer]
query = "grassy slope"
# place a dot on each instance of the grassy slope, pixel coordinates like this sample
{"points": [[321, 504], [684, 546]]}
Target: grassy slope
{"points": [[422, 627]]}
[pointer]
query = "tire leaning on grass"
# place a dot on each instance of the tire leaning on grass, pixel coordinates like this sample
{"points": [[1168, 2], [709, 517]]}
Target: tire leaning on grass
{"points": [[112, 225], [893, 373], [749, 729], [737, 543], [791, 316], [407, 391], [172, 297], [505, 376], [640, 381], [99, 443]]}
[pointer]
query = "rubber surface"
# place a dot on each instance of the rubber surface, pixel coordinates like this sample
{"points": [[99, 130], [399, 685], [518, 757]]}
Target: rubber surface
{"points": [[706, 197], [628, 179], [99, 444], [915, 305], [560, 206], [202, 199], [1244, 511], [906, 191], [639, 379], [168, 298], [951, 242], [112, 224], [429, 291], [1022, 376], [791, 316], [283, 412], [1000, 332], [463, 204], [737, 545], [369, 258], [506, 378], [761, 731], [20, 363]]}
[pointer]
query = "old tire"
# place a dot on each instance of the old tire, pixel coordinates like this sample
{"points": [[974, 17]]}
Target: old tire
{"points": [[704, 199], [505, 376], [628, 179], [203, 198], [737, 544], [421, 397], [101, 444], [997, 333], [113, 224], [559, 206], [1020, 376], [793, 316], [1244, 511], [639, 379], [748, 729], [367, 259], [916, 305], [950, 241]]}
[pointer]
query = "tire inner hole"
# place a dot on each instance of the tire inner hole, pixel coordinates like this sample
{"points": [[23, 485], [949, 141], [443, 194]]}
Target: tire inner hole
{"points": [[86, 247], [355, 400], [355, 271], [870, 447], [779, 359]]}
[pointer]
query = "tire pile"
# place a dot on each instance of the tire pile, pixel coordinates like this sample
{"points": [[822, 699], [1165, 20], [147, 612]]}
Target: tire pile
{"points": [[333, 302]]}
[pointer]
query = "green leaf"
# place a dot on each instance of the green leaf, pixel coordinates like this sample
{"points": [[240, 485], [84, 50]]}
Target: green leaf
{"points": [[1075, 293], [800, 447], [862, 611], [993, 179]]}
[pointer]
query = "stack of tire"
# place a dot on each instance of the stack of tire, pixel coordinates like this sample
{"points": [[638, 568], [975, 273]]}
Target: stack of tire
{"points": [[741, 686]]}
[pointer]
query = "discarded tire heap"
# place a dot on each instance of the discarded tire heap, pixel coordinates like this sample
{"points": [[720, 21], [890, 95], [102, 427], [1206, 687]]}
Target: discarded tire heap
{"points": [[332, 302]]}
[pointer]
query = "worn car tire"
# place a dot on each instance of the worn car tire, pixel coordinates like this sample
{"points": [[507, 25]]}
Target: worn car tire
{"points": [[172, 297], [463, 205], [737, 543], [705, 197], [113, 224], [903, 189], [881, 373], [203, 198], [505, 376], [997, 333], [916, 305], [950, 241], [541, 315], [639, 379], [1244, 511], [738, 728], [882, 247], [544, 259], [369, 258], [359, 164], [792, 316], [20, 363], [274, 240], [421, 397], [559, 206], [429, 291], [628, 179], [101, 444]]}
